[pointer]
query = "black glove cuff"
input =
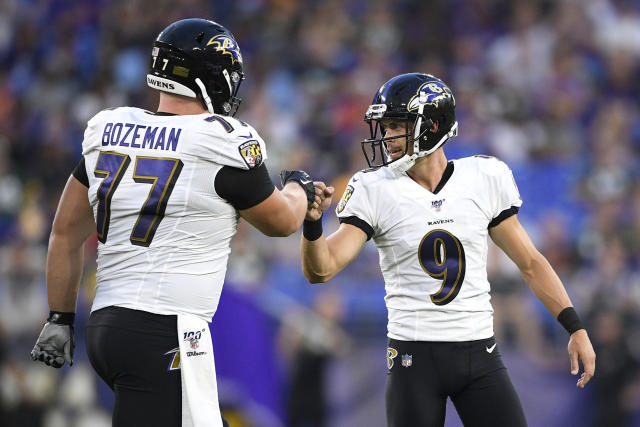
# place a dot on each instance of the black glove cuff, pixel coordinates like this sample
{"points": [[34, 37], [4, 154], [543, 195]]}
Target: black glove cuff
{"points": [[569, 319], [61, 318], [303, 179], [312, 230]]}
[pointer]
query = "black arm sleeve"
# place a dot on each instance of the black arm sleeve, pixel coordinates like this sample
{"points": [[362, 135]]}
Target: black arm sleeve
{"points": [[80, 173], [243, 188], [503, 215], [362, 225]]}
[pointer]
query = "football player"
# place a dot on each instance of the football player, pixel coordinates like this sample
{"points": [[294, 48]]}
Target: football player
{"points": [[430, 218], [164, 190]]}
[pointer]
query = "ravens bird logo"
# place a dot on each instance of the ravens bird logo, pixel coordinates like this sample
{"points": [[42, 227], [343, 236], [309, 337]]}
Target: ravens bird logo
{"points": [[227, 46]]}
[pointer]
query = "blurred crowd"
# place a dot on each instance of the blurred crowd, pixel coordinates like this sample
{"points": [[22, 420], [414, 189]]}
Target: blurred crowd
{"points": [[551, 87]]}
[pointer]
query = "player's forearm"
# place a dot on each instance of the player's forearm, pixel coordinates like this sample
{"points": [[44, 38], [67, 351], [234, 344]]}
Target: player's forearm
{"points": [[545, 284], [297, 204], [64, 271], [317, 263]]}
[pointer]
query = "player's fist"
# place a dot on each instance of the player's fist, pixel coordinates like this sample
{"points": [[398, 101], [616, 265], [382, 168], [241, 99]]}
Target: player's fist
{"points": [[302, 178], [322, 202]]}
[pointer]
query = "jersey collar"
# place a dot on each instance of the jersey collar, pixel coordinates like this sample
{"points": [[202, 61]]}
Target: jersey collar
{"points": [[448, 171], [160, 113]]}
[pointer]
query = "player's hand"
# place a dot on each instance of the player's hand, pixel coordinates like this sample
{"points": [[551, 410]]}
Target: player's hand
{"points": [[581, 350], [55, 345], [322, 201], [303, 179]]}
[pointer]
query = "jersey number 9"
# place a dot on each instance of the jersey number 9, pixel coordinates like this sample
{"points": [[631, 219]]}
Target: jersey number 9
{"points": [[441, 256]]}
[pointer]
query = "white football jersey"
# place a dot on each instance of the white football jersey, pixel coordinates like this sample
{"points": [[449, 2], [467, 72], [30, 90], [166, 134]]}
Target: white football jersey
{"points": [[164, 233], [433, 247]]}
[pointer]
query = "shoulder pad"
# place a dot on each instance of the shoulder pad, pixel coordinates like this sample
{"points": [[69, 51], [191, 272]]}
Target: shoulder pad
{"points": [[235, 140], [93, 121], [373, 169], [229, 124], [485, 156], [490, 165]]}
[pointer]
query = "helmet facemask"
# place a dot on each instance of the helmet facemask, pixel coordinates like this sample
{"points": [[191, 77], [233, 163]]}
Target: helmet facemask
{"points": [[417, 136], [219, 93], [375, 148]]}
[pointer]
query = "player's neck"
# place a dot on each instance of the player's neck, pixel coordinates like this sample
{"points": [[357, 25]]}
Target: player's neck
{"points": [[428, 170], [180, 105]]}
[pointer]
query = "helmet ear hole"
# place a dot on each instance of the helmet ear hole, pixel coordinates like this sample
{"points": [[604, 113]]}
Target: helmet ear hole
{"points": [[216, 88]]}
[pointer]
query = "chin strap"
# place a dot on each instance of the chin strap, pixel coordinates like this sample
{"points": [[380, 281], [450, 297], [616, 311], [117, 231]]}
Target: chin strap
{"points": [[407, 161], [452, 132], [205, 95], [403, 164]]}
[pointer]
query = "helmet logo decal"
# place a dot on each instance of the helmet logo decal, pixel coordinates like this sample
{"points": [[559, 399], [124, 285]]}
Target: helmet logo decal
{"points": [[227, 46], [433, 92]]}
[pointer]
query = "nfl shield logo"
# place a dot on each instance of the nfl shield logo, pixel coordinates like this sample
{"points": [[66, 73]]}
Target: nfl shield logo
{"points": [[407, 360], [193, 342]]}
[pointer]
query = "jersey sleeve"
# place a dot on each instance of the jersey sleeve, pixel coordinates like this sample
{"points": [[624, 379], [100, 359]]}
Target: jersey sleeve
{"points": [[80, 173], [231, 142], [355, 206], [91, 142], [504, 197], [244, 188]]}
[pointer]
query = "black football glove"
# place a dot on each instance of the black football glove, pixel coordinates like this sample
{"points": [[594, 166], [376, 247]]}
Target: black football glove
{"points": [[55, 344], [302, 178]]}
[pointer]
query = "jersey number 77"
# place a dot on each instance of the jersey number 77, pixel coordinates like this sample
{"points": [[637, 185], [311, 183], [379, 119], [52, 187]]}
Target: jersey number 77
{"points": [[161, 172]]}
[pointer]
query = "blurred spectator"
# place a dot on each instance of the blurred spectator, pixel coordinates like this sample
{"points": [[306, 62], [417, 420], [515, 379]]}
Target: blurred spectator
{"points": [[309, 341], [616, 361]]}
